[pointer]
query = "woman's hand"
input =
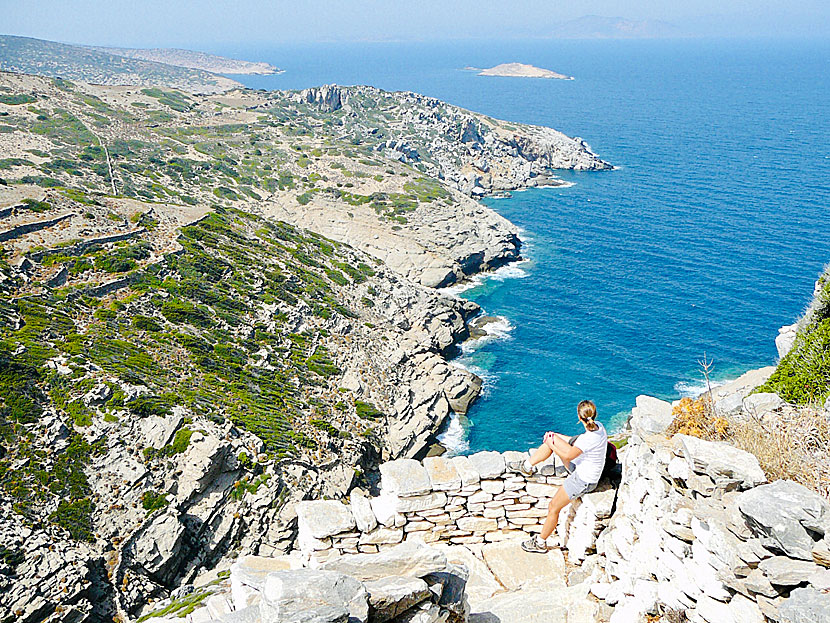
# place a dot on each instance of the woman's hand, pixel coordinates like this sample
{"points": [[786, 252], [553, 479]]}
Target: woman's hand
{"points": [[549, 439]]}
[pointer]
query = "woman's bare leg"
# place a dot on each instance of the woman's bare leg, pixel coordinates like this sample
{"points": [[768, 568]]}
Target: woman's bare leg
{"points": [[559, 501], [542, 453]]}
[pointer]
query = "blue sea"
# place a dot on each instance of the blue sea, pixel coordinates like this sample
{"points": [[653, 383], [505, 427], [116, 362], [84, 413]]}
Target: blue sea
{"points": [[705, 240]]}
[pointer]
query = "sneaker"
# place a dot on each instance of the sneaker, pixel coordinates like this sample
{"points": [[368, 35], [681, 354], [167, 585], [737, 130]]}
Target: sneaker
{"points": [[519, 466], [535, 546]]}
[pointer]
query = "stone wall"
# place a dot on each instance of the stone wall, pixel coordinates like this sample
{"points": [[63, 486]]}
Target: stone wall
{"points": [[463, 500], [698, 530]]}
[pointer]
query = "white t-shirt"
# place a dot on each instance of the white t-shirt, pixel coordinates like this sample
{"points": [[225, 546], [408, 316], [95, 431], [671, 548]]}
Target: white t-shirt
{"points": [[590, 463]]}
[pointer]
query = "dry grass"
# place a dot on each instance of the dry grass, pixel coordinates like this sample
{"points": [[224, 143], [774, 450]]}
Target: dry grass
{"points": [[794, 445]]}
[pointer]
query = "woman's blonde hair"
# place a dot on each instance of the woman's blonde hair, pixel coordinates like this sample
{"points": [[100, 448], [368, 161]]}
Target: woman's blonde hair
{"points": [[587, 411]]}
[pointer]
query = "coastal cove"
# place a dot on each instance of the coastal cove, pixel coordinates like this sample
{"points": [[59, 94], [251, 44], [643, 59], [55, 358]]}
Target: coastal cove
{"points": [[705, 240]]}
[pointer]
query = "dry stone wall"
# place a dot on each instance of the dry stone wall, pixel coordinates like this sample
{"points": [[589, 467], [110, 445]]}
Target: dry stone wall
{"points": [[462, 500]]}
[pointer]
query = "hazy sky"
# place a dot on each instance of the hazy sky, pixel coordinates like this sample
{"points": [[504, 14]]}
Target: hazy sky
{"points": [[145, 23]]}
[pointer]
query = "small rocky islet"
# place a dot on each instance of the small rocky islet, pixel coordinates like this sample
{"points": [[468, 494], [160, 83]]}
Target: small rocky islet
{"points": [[224, 357]]}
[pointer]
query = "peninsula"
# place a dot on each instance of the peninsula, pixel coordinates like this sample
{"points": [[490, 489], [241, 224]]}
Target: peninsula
{"points": [[191, 59], [521, 70]]}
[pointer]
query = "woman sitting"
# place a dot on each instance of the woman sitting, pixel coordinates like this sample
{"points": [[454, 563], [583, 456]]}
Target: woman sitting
{"points": [[585, 460]]}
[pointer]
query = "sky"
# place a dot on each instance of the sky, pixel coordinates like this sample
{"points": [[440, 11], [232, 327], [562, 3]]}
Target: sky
{"points": [[193, 23]]}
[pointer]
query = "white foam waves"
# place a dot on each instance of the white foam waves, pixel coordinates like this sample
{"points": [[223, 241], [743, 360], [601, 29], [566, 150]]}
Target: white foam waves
{"points": [[498, 329], [513, 270], [693, 389], [454, 437]]}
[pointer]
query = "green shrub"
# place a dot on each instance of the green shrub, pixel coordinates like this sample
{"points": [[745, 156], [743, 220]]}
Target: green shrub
{"points": [[145, 323], [180, 442], [75, 517], [367, 410], [152, 501]]}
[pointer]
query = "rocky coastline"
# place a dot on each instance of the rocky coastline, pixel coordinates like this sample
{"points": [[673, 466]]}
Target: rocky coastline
{"points": [[214, 308]]}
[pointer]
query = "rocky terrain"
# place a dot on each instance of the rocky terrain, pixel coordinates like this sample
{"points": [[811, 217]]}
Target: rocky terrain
{"points": [[194, 60], [690, 530], [214, 307]]}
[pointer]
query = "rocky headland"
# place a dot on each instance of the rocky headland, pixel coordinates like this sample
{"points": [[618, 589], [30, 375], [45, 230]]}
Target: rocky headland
{"points": [[195, 60]]}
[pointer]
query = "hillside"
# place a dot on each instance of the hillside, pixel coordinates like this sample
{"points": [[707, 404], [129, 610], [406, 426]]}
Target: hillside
{"points": [[193, 60], [185, 356], [74, 62]]}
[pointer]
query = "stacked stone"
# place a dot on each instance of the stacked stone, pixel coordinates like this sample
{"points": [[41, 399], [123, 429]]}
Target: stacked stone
{"points": [[462, 500], [697, 530], [406, 584]]}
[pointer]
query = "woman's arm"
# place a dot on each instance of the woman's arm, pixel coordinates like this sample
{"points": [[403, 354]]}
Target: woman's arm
{"points": [[559, 444]]}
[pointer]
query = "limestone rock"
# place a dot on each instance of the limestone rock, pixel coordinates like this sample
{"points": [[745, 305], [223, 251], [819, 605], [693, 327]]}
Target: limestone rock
{"points": [[313, 596], [488, 464], [805, 605], [391, 596], [745, 610], [466, 471], [651, 415], [442, 474], [514, 568], [324, 518], [405, 477], [720, 460], [364, 517], [785, 339], [783, 512], [784, 571], [249, 572], [407, 559], [159, 546], [821, 551], [760, 405]]}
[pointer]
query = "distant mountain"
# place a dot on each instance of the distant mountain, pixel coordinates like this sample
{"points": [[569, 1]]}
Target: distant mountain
{"points": [[598, 27], [193, 60], [74, 62]]}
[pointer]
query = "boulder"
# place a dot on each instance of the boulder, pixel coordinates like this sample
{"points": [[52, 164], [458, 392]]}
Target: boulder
{"points": [[453, 587], [404, 477], [391, 596], [785, 339], [805, 605], [783, 571], [651, 415], [159, 547], [407, 559], [442, 474], [480, 582], [249, 572], [760, 405], [821, 551], [313, 596], [787, 514], [720, 460], [323, 518], [488, 464]]}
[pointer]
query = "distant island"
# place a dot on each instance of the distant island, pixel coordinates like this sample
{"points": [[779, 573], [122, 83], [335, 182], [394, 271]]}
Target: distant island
{"points": [[520, 70], [194, 60]]}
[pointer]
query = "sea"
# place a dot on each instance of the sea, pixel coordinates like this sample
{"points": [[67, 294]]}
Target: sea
{"points": [[706, 238]]}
